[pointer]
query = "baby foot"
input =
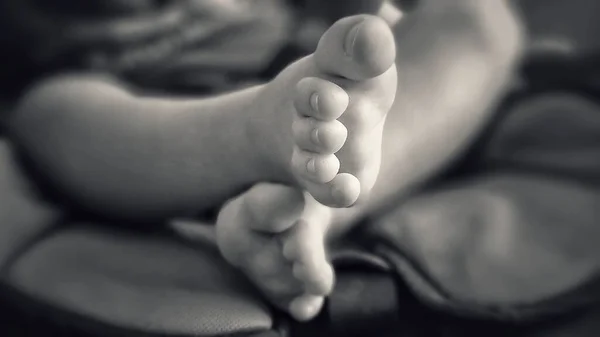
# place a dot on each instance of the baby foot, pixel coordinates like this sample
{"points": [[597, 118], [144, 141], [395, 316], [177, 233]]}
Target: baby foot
{"points": [[321, 120], [279, 243]]}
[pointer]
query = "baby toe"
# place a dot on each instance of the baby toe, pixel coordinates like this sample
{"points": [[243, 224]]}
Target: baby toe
{"points": [[312, 135]]}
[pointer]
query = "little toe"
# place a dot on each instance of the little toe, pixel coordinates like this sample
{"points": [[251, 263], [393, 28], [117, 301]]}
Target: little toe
{"points": [[357, 48], [306, 307], [315, 136], [314, 167], [320, 99]]}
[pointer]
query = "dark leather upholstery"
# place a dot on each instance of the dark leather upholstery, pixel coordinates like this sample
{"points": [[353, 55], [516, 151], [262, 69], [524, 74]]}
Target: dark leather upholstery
{"points": [[138, 283]]}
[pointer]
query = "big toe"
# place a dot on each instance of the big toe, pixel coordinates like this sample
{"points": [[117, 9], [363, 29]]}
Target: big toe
{"points": [[357, 48]]}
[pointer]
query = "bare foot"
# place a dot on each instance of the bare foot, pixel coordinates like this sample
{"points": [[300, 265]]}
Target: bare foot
{"points": [[320, 122], [276, 236]]}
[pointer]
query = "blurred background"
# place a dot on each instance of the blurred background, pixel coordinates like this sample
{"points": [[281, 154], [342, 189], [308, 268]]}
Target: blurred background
{"points": [[201, 47]]}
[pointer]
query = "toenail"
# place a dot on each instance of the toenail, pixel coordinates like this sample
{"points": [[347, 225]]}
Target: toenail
{"points": [[315, 136], [314, 102], [311, 166], [351, 39]]}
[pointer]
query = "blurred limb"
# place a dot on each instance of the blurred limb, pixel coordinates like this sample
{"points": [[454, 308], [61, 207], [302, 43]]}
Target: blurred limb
{"points": [[50, 33], [24, 214], [237, 42], [150, 41]]}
